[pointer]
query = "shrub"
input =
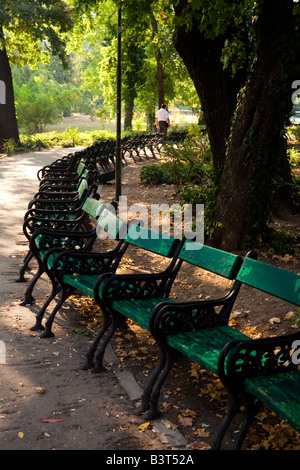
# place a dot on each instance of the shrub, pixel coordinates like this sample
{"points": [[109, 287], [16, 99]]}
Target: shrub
{"points": [[68, 138], [155, 173]]}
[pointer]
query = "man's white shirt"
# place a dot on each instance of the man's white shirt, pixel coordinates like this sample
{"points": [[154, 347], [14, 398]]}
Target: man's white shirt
{"points": [[162, 114]]}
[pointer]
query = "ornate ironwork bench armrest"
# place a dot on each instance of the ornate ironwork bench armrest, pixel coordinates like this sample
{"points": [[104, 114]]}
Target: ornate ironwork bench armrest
{"points": [[32, 224], [85, 262], [133, 286], [255, 357], [171, 318]]}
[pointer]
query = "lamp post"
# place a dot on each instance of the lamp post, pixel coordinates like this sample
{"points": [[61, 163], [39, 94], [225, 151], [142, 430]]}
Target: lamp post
{"points": [[118, 170]]}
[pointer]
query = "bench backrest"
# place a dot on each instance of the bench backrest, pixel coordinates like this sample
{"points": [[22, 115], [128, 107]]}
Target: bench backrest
{"points": [[270, 279], [110, 224], [92, 207], [151, 240], [211, 259], [81, 167], [107, 222], [83, 189]]}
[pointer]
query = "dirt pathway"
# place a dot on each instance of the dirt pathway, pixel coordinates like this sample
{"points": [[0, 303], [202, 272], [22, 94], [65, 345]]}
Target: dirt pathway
{"points": [[46, 401]]}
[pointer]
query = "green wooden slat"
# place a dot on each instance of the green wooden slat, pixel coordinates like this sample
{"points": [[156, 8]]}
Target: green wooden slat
{"points": [[92, 207], [205, 346], [107, 176], [275, 281], [211, 259], [281, 393], [85, 283], [111, 224], [81, 167], [138, 311], [83, 189], [151, 240]]}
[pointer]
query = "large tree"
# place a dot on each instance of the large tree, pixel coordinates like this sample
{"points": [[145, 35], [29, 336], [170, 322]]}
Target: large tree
{"points": [[246, 113], [23, 26], [243, 57]]}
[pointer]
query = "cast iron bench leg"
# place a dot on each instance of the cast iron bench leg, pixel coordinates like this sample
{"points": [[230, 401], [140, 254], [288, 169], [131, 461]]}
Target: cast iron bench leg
{"points": [[28, 297], [145, 405], [26, 261], [251, 410], [171, 357], [233, 408], [90, 363], [117, 320], [38, 325], [48, 325]]}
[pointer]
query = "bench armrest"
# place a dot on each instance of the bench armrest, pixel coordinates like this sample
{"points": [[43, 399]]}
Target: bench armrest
{"points": [[53, 191], [170, 318], [136, 286], [71, 261], [46, 238], [62, 196], [35, 223], [240, 360], [51, 204], [41, 214]]}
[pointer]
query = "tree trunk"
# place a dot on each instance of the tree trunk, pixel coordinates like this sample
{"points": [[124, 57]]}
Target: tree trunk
{"points": [[254, 157], [159, 66], [128, 118], [8, 120], [216, 88]]}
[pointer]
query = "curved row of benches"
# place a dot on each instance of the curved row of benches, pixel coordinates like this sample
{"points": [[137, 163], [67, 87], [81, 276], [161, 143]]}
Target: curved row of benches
{"points": [[255, 372]]}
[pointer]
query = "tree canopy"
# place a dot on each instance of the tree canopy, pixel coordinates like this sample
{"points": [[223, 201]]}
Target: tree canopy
{"points": [[241, 56]]}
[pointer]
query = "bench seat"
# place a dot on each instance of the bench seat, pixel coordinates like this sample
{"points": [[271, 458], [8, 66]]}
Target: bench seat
{"points": [[281, 393], [205, 346], [172, 323], [142, 310], [84, 283]]}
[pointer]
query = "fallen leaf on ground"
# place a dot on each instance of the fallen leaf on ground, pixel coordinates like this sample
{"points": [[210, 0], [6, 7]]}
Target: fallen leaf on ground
{"points": [[144, 426], [289, 315], [169, 424], [274, 320], [51, 420]]}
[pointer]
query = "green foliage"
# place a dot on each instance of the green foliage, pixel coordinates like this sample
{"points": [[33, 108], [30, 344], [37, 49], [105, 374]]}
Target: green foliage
{"points": [[189, 166], [296, 320], [26, 23], [36, 107], [205, 194], [186, 162], [68, 138], [9, 146], [154, 173]]}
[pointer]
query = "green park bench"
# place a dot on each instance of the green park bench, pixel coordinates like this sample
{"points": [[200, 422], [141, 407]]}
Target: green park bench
{"points": [[66, 165], [57, 213], [82, 272], [59, 237], [254, 371], [47, 245], [134, 296], [122, 295]]}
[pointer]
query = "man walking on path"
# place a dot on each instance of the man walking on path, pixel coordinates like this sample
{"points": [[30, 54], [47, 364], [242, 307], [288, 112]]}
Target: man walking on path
{"points": [[162, 120]]}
